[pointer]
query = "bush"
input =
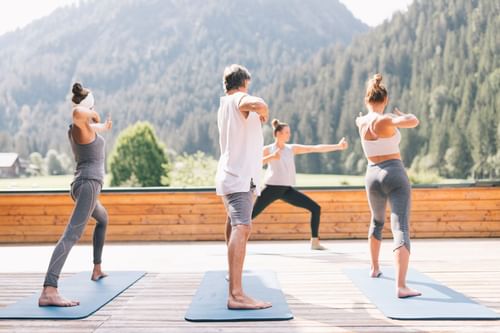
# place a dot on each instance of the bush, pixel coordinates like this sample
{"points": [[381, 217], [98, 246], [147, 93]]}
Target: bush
{"points": [[197, 169], [138, 158]]}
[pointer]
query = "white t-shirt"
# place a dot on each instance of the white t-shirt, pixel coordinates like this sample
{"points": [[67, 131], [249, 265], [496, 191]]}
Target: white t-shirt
{"points": [[281, 172], [241, 143]]}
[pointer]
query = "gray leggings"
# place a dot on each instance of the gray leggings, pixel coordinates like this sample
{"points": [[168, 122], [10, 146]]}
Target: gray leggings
{"points": [[388, 181], [84, 193]]}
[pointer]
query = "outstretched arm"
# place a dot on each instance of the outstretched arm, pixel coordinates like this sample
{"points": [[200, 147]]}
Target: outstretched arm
{"points": [[322, 148]]}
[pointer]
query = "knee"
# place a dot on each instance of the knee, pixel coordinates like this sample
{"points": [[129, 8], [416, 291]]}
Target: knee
{"points": [[316, 209], [244, 228], [71, 238], [102, 219], [376, 227]]}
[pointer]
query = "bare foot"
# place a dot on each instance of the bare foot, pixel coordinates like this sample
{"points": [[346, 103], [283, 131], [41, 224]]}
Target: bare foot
{"points": [[375, 273], [50, 297], [407, 292], [315, 245], [244, 302], [97, 273]]}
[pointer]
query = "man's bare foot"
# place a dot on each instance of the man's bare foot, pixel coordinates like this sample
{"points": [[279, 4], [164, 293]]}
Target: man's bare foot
{"points": [[244, 302], [50, 297], [375, 273], [97, 273], [407, 292]]}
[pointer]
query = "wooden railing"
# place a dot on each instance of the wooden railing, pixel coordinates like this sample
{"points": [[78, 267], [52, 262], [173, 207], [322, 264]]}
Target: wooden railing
{"points": [[160, 215]]}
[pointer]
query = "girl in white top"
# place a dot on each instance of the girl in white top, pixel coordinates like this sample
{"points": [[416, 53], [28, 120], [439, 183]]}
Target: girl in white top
{"points": [[280, 176], [386, 180]]}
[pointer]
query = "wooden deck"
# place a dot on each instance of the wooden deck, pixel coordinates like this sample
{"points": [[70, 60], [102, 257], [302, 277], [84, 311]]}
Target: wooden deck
{"points": [[321, 297]]}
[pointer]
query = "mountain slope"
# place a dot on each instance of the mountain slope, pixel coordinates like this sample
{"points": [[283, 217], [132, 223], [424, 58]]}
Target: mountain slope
{"points": [[439, 61], [154, 60]]}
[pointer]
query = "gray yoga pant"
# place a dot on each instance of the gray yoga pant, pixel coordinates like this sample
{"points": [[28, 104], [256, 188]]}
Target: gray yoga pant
{"points": [[85, 193], [388, 181], [239, 207]]}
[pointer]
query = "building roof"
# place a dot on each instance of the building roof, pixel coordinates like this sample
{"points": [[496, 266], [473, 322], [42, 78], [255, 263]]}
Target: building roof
{"points": [[8, 159]]}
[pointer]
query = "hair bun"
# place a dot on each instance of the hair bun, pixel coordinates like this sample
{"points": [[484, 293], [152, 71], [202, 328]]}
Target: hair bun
{"points": [[377, 78], [275, 123], [77, 89]]}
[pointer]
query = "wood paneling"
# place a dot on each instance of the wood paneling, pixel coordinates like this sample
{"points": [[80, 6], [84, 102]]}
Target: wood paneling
{"points": [[143, 216]]}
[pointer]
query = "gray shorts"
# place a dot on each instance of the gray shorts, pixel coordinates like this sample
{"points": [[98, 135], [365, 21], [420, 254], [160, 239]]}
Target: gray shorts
{"points": [[239, 207]]}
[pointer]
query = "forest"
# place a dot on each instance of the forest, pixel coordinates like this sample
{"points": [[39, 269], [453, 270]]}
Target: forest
{"points": [[162, 62]]}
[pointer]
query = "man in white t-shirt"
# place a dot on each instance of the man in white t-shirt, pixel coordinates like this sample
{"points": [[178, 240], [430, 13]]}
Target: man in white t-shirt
{"points": [[239, 118]]}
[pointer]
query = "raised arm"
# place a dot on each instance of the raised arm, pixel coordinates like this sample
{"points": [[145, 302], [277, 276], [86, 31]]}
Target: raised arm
{"points": [[268, 156], [397, 119], [322, 148], [85, 118], [254, 104], [102, 127]]}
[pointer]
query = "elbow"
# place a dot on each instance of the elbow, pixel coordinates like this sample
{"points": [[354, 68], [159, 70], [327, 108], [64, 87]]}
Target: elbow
{"points": [[262, 106]]}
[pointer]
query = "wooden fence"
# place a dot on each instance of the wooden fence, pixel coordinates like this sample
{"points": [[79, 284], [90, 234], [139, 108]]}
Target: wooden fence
{"points": [[162, 215]]}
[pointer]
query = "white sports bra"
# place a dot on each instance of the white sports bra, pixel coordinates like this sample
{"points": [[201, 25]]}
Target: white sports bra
{"points": [[381, 146]]}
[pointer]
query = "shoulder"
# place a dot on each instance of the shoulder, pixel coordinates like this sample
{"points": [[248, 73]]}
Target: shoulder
{"points": [[383, 120], [238, 97], [80, 115]]}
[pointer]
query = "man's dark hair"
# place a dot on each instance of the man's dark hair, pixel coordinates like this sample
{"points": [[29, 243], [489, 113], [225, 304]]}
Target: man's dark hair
{"points": [[235, 77]]}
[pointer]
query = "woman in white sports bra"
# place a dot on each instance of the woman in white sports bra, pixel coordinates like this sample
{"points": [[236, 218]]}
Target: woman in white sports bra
{"points": [[280, 176], [386, 180]]}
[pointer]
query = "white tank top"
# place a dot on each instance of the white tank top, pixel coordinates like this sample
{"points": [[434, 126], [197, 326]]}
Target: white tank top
{"points": [[281, 172], [241, 143], [380, 146]]}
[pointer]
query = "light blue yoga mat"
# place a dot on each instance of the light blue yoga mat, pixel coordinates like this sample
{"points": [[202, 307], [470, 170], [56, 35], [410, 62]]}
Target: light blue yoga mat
{"points": [[210, 301], [437, 301], [92, 296]]}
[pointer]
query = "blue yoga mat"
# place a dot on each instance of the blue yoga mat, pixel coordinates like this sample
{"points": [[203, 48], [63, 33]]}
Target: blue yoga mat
{"points": [[437, 301], [210, 301], [92, 295]]}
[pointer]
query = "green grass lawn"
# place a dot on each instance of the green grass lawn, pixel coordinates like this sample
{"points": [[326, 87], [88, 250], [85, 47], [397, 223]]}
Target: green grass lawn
{"points": [[305, 179], [36, 182], [63, 182]]}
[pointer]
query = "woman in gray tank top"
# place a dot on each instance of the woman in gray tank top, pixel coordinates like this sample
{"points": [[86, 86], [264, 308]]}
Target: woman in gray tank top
{"points": [[280, 176], [88, 148]]}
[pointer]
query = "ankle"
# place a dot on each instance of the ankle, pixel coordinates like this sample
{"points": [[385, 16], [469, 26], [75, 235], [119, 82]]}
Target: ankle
{"points": [[237, 293], [49, 290]]}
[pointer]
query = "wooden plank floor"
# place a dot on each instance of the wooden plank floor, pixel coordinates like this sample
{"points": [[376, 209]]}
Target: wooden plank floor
{"points": [[321, 297]]}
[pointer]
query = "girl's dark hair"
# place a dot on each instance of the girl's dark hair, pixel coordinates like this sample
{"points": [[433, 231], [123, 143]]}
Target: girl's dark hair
{"points": [[278, 126], [376, 92], [79, 93], [235, 77]]}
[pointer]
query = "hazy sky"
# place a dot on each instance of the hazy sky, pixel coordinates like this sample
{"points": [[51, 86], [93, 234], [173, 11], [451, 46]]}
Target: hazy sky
{"points": [[18, 13]]}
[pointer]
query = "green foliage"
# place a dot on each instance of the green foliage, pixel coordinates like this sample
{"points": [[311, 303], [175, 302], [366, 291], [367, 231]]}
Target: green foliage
{"points": [[55, 163], [439, 61], [138, 158], [158, 61], [423, 177], [39, 167], [162, 62], [197, 169]]}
